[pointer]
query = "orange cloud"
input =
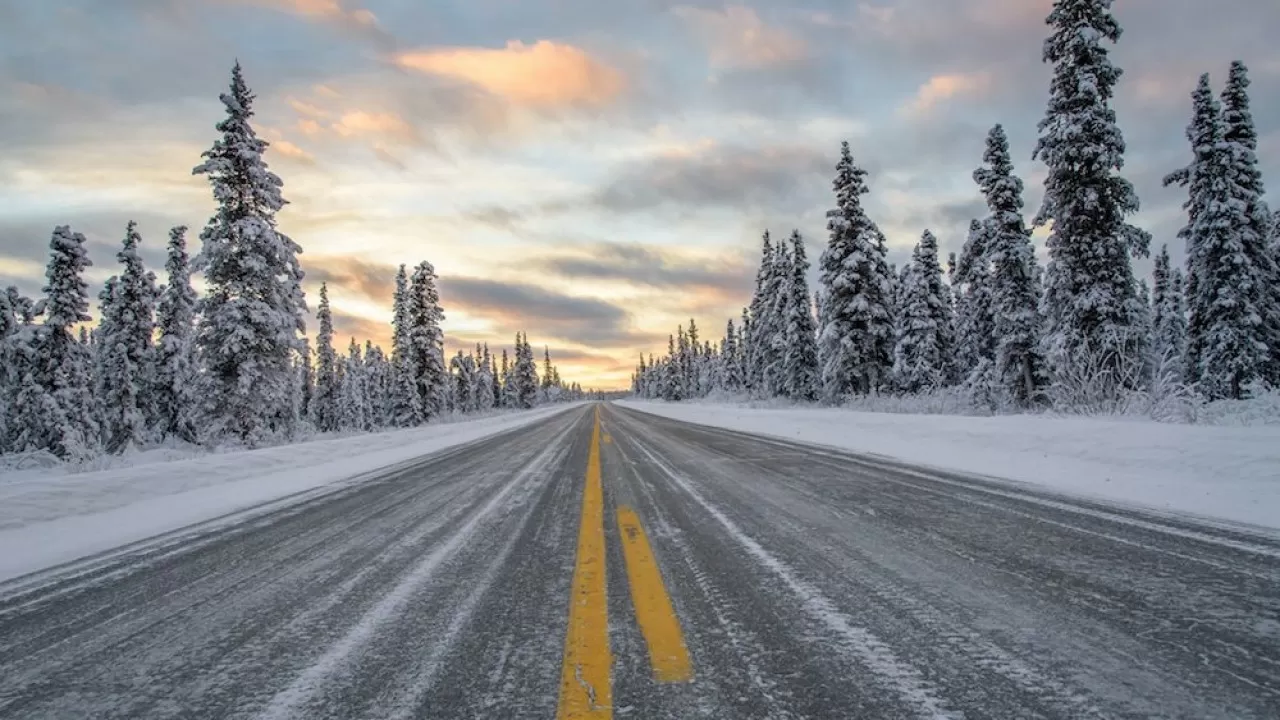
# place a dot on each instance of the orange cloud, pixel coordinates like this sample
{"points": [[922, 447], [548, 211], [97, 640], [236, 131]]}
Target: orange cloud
{"points": [[360, 21], [944, 87], [543, 75], [738, 38], [360, 123], [289, 150]]}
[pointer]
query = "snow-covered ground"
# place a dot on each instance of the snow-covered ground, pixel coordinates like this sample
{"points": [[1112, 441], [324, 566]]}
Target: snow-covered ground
{"points": [[1230, 473], [52, 516]]}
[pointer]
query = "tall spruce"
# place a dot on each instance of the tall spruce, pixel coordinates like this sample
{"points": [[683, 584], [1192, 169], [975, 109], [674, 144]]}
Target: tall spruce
{"points": [[731, 372], [1255, 222], [760, 303], [1227, 331], [856, 331], [55, 394], [406, 401], [923, 351], [974, 315], [426, 339], [1090, 293], [126, 349], [1169, 321], [175, 380], [252, 316], [325, 400], [1011, 259], [800, 349]]}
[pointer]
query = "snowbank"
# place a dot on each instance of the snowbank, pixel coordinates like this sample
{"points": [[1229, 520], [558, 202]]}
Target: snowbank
{"points": [[53, 517], [1230, 473]]}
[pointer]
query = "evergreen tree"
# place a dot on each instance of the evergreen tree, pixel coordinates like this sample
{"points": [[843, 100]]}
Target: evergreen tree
{"points": [[426, 339], [974, 315], [126, 351], [175, 380], [1169, 321], [693, 379], [252, 316], [508, 382], [1090, 295], [377, 386], [800, 351], [772, 329], [324, 403], [855, 337], [731, 373], [1255, 223], [484, 388], [57, 396], [671, 385], [1019, 362], [406, 402], [923, 350], [1227, 336], [526, 374], [760, 303], [353, 410]]}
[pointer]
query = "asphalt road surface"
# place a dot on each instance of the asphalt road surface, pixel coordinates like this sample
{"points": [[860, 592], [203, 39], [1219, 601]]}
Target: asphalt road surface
{"points": [[607, 563]]}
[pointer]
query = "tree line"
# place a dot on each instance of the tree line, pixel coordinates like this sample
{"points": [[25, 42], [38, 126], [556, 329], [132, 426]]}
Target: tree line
{"points": [[1081, 332], [165, 363]]}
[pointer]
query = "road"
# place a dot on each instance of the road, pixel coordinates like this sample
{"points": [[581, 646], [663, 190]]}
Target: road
{"points": [[607, 563]]}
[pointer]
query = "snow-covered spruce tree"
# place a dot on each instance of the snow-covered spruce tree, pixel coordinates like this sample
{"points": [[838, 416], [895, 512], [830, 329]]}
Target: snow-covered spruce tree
{"points": [[324, 401], [57, 396], [377, 385], [760, 302], [1169, 320], [406, 402], [19, 353], [671, 385], [353, 412], [1227, 334], [974, 319], [175, 377], [252, 316], [731, 367], [426, 339], [127, 361], [773, 328], [306, 381], [1201, 133], [1091, 305], [526, 374], [855, 340], [1254, 218], [692, 360], [1011, 261], [462, 369], [483, 390], [923, 350], [800, 351]]}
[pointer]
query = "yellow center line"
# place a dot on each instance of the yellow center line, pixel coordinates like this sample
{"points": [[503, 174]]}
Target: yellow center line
{"points": [[585, 685], [658, 623]]}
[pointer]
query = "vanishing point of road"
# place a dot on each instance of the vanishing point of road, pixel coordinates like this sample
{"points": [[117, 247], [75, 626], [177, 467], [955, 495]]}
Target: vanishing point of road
{"points": [[605, 563]]}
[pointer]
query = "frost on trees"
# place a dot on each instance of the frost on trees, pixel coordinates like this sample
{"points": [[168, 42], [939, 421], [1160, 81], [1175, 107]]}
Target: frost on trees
{"points": [[1011, 272], [252, 316], [1090, 292], [923, 351], [856, 334]]}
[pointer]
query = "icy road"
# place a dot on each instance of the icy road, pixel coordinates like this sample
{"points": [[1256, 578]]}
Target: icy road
{"points": [[606, 563]]}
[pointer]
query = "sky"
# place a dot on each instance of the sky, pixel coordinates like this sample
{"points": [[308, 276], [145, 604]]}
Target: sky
{"points": [[591, 172]]}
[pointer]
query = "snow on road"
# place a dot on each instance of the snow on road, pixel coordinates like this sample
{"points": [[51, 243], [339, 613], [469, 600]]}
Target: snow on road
{"points": [[1229, 473], [52, 517]]}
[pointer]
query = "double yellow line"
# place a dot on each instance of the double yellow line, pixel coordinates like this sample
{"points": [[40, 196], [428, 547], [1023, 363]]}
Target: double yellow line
{"points": [[586, 689]]}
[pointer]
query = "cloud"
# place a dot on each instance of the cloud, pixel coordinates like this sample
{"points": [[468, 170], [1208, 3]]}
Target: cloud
{"points": [[293, 152], [737, 38], [374, 281], [720, 175], [941, 88], [357, 21], [387, 125], [652, 267], [515, 306], [543, 75]]}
